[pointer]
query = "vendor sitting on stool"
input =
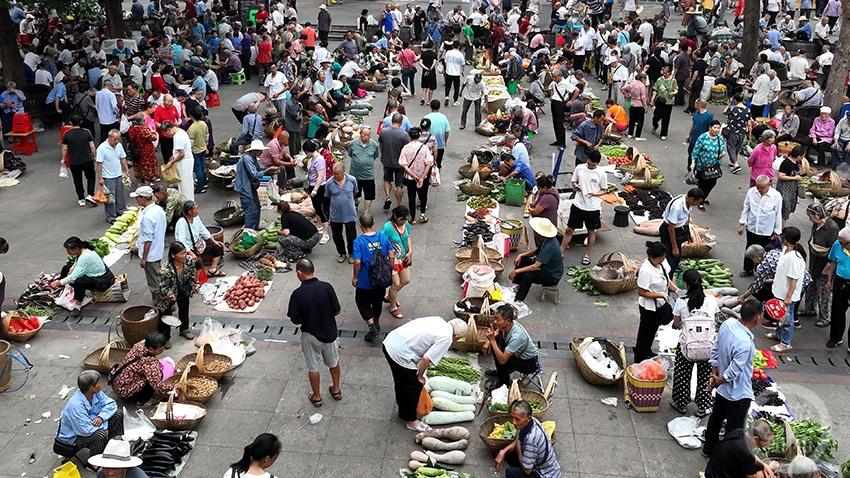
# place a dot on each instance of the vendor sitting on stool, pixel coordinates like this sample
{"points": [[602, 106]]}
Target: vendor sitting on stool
{"points": [[542, 265], [87, 272], [90, 417], [512, 347], [139, 375]]}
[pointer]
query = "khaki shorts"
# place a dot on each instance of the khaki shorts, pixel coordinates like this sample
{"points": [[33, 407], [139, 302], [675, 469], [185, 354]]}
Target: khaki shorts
{"points": [[317, 352]]}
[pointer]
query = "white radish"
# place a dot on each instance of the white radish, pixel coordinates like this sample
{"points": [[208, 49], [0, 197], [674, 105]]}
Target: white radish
{"points": [[455, 457], [441, 403], [450, 433], [415, 465], [445, 418], [435, 444], [448, 384], [468, 399]]}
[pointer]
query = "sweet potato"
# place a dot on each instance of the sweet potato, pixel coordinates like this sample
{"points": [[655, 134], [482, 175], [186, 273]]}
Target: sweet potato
{"points": [[415, 465], [419, 456], [435, 444]]}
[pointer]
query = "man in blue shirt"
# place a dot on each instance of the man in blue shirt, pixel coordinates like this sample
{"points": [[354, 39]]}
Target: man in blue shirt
{"points": [[58, 97], [252, 124], [774, 37], [588, 136], [731, 362], [440, 128], [90, 417], [17, 14], [518, 150], [509, 167], [369, 297], [11, 102], [248, 176], [111, 165], [107, 109]]}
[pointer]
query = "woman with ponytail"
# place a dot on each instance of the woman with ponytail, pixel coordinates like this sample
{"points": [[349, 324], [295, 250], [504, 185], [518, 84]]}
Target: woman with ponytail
{"points": [[694, 303], [257, 458], [86, 271], [653, 285], [788, 284]]}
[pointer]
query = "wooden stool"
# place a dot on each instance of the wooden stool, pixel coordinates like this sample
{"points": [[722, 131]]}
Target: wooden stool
{"points": [[551, 294], [238, 78]]}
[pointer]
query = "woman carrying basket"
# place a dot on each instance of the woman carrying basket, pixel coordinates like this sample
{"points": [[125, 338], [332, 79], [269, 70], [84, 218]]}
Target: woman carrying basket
{"points": [[697, 305]]}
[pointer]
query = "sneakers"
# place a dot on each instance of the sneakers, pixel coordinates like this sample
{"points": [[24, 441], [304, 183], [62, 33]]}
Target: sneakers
{"points": [[735, 168], [90, 201], [491, 373], [341, 258], [640, 139], [664, 138], [629, 136], [462, 126], [324, 240], [831, 345], [387, 203], [81, 203], [797, 324], [372, 334], [456, 103], [768, 324], [446, 103]]}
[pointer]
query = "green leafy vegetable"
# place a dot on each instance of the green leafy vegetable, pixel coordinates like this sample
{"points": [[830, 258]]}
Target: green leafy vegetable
{"points": [[456, 368], [579, 277]]}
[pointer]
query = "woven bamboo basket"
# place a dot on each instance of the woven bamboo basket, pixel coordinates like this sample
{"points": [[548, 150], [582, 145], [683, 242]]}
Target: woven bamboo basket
{"points": [[465, 253], [495, 445], [466, 172], [643, 395], [201, 358], [481, 320], [105, 357], [615, 351], [170, 422], [473, 188], [528, 395], [251, 251], [18, 336], [615, 286], [463, 266], [638, 164], [230, 214], [695, 247], [464, 345], [785, 147], [187, 382], [643, 179]]}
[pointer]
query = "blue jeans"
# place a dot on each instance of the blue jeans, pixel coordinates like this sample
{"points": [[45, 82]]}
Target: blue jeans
{"points": [[786, 332], [200, 171], [840, 154], [251, 206]]}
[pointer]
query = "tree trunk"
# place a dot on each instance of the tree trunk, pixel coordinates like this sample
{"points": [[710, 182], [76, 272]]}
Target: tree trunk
{"points": [[834, 94], [10, 54], [115, 18], [749, 55]]}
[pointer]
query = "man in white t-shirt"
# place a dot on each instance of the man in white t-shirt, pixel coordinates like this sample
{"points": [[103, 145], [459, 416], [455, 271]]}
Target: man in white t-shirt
{"points": [[275, 85], [513, 22], [765, 89], [455, 62], [788, 287], [825, 61], [591, 183], [182, 157], [797, 66], [646, 31]]}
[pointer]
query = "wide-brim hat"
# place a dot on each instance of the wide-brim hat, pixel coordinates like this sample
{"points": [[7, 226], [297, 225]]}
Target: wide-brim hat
{"points": [[116, 455], [543, 226], [256, 145]]}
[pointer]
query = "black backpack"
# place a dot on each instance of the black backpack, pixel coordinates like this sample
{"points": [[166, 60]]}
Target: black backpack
{"points": [[380, 268]]}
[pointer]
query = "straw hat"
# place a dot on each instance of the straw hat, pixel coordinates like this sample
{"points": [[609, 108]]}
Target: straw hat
{"points": [[116, 455], [543, 226], [256, 145]]}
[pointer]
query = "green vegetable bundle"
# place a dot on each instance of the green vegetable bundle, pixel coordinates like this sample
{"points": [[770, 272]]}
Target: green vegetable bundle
{"points": [[613, 151], [100, 246], [479, 202], [38, 311], [713, 271], [579, 277], [456, 368], [814, 439]]}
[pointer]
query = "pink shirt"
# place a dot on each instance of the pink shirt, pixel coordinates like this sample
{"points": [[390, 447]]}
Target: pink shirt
{"points": [[822, 130], [761, 161], [417, 157], [636, 93], [271, 155]]}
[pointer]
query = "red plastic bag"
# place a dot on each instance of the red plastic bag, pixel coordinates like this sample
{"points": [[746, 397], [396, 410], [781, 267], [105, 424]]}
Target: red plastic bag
{"points": [[650, 370]]}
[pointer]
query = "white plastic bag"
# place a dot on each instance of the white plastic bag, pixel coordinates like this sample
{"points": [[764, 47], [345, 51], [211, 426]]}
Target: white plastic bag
{"points": [[63, 171], [686, 431], [273, 192], [211, 331], [137, 425], [66, 299], [124, 126]]}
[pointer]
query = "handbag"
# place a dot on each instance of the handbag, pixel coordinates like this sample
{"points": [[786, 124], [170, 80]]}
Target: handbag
{"points": [[714, 171], [169, 173], [435, 176]]}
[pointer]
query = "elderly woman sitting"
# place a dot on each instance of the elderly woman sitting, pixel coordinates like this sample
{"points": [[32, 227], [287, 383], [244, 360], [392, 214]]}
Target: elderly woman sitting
{"points": [[89, 420], [195, 237]]}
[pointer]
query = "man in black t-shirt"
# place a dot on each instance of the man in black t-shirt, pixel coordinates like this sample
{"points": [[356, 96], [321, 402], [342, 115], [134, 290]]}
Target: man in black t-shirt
{"points": [[297, 237], [733, 457], [78, 146]]}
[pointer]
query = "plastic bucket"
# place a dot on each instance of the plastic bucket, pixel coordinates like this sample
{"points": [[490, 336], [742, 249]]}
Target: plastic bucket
{"points": [[513, 229], [135, 326], [5, 365], [515, 192]]}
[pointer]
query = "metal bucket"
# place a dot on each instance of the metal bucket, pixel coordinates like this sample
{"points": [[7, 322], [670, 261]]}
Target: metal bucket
{"points": [[134, 325]]}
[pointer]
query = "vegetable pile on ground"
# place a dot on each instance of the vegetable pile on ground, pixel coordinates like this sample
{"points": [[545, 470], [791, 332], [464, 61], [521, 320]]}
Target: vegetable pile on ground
{"points": [[579, 277], [503, 431], [443, 447], [641, 200], [714, 272], [497, 407], [455, 367], [100, 246], [122, 223], [453, 400], [814, 438], [39, 293], [246, 292], [481, 202], [477, 228], [269, 234]]}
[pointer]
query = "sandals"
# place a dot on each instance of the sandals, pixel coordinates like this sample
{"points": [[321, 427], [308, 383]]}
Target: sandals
{"points": [[678, 407], [703, 413], [216, 273], [585, 261], [422, 219], [421, 427], [822, 323], [336, 395], [397, 313], [397, 303], [780, 348], [317, 402]]}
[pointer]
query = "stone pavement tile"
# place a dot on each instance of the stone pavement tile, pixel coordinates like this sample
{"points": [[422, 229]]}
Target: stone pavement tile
{"points": [[294, 401], [358, 437], [345, 466], [5, 438], [616, 456], [571, 381], [565, 449], [208, 461], [15, 411], [401, 441], [46, 381], [16, 455], [561, 413], [232, 427], [296, 464], [593, 416], [297, 434], [50, 344], [657, 454], [363, 400], [253, 393], [270, 363], [654, 425], [48, 426], [367, 370]]}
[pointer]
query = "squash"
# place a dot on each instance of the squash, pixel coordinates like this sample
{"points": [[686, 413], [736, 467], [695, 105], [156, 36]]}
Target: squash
{"points": [[435, 444], [444, 418]]}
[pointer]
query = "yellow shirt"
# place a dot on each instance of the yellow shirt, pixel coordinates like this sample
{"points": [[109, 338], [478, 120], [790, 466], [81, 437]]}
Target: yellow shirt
{"points": [[198, 133]]}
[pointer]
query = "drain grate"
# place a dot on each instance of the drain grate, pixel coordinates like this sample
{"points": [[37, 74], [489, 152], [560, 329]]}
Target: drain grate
{"points": [[803, 361]]}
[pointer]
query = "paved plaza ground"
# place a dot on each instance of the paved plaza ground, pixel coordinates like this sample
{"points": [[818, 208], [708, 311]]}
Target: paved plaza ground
{"points": [[361, 436]]}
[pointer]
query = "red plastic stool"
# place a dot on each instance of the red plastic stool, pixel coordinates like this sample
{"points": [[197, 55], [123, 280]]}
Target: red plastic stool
{"points": [[213, 99], [21, 123], [62, 131], [24, 144], [24, 39]]}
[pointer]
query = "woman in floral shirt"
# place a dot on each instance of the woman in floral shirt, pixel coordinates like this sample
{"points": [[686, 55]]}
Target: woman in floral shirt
{"points": [[178, 281], [705, 158], [142, 141], [139, 375]]}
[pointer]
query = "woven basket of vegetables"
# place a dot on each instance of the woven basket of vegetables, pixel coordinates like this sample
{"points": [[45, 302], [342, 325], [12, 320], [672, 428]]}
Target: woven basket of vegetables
{"points": [[230, 214], [696, 247], [605, 277], [638, 165], [465, 253], [505, 429], [828, 184], [643, 179], [194, 387], [20, 326], [467, 172], [245, 243], [474, 187], [539, 404], [207, 363]]}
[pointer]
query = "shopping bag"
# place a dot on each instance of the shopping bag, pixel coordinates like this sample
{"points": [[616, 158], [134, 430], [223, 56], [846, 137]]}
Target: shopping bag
{"points": [[137, 426], [435, 176], [425, 405], [63, 171], [100, 197], [119, 292], [66, 470], [273, 192], [169, 173], [124, 125], [202, 276]]}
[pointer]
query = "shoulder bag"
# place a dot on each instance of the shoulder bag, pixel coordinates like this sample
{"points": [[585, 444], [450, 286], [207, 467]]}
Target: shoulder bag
{"points": [[715, 170]]}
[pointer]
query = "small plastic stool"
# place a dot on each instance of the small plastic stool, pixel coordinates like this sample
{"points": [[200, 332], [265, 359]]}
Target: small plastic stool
{"points": [[551, 294], [213, 99], [238, 78], [24, 144], [21, 123], [24, 39]]}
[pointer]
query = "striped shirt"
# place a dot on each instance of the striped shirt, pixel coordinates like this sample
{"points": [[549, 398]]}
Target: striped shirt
{"points": [[537, 453]]}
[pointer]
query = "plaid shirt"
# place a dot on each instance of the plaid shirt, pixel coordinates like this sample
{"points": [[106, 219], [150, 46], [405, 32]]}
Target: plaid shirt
{"points": [[766, 270], [145, 371]]}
